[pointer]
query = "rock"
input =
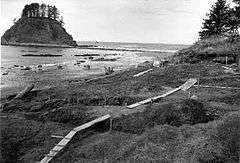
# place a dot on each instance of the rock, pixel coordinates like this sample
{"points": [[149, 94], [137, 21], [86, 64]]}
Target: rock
{"points": [[59, 66], [87, 67], [5, 73], [26, 68], [194, 97], [37, 31]]}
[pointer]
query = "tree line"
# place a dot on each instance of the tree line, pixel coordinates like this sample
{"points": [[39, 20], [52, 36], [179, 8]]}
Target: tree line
{"points": [[222, 20], [35, 10]]}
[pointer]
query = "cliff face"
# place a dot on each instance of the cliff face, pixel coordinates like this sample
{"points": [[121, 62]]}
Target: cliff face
{"points": [[37, 31]]}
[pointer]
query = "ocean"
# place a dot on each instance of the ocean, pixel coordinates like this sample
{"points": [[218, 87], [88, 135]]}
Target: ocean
{"points": [[44, 71]]}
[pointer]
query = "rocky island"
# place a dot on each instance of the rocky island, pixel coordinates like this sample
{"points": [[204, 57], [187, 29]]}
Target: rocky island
{"points": [[39, 25]]}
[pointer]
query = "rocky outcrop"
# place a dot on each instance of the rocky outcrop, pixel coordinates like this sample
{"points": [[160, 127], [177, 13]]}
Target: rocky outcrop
{"points": [[37, 31]]}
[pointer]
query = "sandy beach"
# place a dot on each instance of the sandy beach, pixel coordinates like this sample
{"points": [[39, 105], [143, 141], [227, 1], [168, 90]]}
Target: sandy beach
{"points": [[15, 59]]}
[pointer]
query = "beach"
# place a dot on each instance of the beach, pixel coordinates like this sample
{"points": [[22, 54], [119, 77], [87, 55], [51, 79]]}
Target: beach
{"points": [[44, 71]]}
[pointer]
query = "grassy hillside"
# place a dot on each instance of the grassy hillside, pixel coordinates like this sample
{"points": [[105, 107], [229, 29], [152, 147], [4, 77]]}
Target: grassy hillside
{"points": [[174, 129], [209, 48], [37, 30]]}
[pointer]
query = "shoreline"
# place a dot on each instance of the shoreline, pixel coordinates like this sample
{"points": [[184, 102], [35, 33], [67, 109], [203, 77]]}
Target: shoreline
{"points": [[38, 45]]}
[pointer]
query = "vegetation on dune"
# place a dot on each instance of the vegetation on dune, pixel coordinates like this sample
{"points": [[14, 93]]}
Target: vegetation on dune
{"points": [[219, 35], [186, 112], [210, 48], [172, 130], [216, 141]]}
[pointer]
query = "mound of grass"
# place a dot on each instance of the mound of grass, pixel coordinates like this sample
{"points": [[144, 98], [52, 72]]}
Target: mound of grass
{"points": [[216, 141], [233, 99], [26, 140], [187, 112], [209, 48], [75, 115]]}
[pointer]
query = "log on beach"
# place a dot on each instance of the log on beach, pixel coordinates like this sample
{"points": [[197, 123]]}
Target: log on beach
{"points": [[42, 55], [86, 55], [24, 92]]}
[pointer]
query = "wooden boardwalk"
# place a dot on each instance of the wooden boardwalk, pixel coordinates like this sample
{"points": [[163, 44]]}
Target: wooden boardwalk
{"points": [[188, 84], [53, 152]]}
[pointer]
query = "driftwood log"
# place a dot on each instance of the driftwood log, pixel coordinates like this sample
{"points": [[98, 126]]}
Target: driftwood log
{"points": [[142, 73], [24, 92]]}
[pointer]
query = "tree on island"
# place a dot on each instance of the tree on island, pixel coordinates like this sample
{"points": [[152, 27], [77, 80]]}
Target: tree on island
{"points": [[34, 10]]}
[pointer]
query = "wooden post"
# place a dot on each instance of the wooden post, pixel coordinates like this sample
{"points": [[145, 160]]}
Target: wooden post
{"points": [[110, 128], [198, 83]]}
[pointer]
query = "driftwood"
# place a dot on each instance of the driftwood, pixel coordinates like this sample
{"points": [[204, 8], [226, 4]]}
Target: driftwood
{"points": [[188, 84], [25, 91], [53, 152], [142, 73], [56, 136]]}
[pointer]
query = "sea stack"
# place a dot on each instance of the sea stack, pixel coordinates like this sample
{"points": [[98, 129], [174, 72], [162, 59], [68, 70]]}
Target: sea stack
{"points": [[39, 25]]}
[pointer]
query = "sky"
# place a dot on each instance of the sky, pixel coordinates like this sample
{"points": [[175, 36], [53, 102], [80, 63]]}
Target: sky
{"points": [[147, 21]]}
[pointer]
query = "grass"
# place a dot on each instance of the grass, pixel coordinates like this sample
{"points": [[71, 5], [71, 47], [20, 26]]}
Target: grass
{"points": [[216, 141], [174, 114], [175, 129], [208, 49]]}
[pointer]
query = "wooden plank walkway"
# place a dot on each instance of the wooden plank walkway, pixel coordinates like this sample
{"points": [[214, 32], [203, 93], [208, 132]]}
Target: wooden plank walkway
{"points": [[220, 87], [188, 84], [53, 152], [142, 73]]}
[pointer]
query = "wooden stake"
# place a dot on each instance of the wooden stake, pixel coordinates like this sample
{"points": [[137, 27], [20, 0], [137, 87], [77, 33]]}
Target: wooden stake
{"points": [[110, 128]]}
